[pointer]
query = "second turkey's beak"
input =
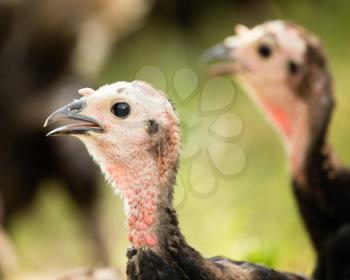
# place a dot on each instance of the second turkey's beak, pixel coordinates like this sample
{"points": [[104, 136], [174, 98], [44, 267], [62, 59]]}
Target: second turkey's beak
{"points": [[73, 111], [221, 56], [218, 52]]}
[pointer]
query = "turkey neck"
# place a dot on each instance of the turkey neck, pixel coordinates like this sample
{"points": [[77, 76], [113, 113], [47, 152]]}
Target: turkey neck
{"points": [[317, 161], [147, 194], [152, 222]]}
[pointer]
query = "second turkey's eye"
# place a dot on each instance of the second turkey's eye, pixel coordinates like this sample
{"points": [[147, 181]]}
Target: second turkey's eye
{"points": [[264, 50], [121, 109]]}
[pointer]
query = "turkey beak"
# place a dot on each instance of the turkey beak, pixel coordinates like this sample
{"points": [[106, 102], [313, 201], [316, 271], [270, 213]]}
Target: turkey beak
{"points": [[72, 112], [218, 52], [222, 56]]}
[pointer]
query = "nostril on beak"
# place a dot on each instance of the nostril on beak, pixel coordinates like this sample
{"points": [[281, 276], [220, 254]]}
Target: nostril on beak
{"points": [[76, 106]]}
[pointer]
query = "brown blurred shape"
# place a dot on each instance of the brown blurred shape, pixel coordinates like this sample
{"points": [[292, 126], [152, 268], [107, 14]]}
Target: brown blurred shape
{"points": [[49, 49]]}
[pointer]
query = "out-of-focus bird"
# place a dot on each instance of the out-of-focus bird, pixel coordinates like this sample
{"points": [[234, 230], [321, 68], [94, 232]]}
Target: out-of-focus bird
{"points": [[48, 48], [285, 71], [132, 132]]}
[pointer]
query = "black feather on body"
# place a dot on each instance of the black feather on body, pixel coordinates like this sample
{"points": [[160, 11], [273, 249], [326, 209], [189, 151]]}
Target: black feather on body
{"points": [[323, 198], [326, 212], [176, 260], [322, 188]]}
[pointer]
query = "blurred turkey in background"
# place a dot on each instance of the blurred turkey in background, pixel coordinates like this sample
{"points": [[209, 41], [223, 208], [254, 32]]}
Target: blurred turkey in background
{"points": [[48, 50]]}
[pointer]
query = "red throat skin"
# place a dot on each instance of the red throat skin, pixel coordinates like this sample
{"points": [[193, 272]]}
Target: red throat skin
{"points": [[144, 180], [292, 125], [280, 118], [140, 195], [288, 114]]}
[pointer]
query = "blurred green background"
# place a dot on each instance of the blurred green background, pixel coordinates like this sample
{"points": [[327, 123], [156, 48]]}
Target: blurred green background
{"points": [[249, 217]]}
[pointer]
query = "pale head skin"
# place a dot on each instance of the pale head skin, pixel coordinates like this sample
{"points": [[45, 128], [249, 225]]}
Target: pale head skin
{"points": [[137, 153], [283, 69]]}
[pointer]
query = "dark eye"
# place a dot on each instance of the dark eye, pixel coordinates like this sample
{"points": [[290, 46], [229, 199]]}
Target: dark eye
{"points": [[121, 109], [264, 51], [293, 68]]}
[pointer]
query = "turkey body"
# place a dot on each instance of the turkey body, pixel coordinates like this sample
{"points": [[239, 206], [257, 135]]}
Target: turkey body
{"points": [[179, 261], [323, 201]]}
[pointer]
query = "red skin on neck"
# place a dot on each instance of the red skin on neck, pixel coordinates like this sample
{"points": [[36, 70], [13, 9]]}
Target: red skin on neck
{"points": [[142, 179], [294, 129], [280, 117], [140, 200]]}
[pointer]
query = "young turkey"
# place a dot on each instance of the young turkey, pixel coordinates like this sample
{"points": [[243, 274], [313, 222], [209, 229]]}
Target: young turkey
{"points": [[132, 132], [285, 71]]}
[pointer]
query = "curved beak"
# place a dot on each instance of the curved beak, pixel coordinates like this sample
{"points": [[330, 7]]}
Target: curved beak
{"points": [[219, 52], [72, 112], [221, 56]]}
